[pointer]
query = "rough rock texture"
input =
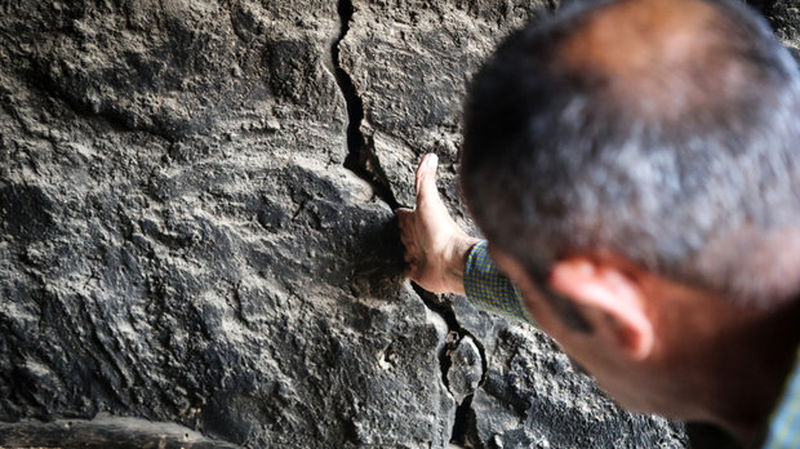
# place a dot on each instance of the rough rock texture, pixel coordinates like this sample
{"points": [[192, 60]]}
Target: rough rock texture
{"points": [[196, 228], [784, 16], [522, 405], [181, 241], [411, 64], [466, 369], [106, 432]]}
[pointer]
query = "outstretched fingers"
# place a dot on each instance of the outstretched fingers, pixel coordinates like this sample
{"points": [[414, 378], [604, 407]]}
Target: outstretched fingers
{"points": [[404, 214], [405, 217]]}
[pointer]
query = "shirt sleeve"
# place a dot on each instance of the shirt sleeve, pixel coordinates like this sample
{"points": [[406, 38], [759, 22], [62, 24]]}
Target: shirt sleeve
{"points": [[783, 431], [488, 288]]}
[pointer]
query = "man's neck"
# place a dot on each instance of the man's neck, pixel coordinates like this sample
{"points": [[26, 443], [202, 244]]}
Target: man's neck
{"points": [[750, 359]]}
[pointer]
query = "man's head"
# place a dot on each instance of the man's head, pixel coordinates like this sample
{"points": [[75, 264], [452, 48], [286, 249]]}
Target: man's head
{"points": [[645, 154]]}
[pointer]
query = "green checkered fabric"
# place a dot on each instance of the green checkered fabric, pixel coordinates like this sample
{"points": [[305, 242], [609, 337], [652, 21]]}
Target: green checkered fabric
{"points": [[784, 427], [488, 288]]}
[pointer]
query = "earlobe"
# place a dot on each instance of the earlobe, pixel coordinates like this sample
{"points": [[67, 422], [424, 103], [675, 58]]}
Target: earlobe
{"points": [[616, 305]]}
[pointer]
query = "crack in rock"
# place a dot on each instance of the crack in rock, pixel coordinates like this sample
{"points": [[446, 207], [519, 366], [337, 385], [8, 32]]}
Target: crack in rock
{"points": [[464, 416], [361, 158], [362, 161]]}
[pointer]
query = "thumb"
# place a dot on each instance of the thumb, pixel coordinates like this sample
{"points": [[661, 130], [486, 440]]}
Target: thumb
{"points": [[426, 178]]}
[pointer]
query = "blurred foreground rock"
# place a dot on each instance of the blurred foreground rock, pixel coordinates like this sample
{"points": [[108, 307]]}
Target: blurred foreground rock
{"points": [[196, 229]]}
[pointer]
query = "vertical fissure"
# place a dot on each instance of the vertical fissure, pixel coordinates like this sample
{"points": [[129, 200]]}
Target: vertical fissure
{"points": [[464, 424], [361, 158], [464, 417], [363, 162]]}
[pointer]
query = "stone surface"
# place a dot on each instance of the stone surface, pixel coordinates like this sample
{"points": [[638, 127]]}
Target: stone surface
{"points": [[466, 369], [186, 235], [105, 432], [784, 15], [180, 240], [532, 397], [411, 63]]}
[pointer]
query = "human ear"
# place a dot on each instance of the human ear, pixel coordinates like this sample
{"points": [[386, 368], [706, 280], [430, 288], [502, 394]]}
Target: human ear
{"points": [[614, 304]]}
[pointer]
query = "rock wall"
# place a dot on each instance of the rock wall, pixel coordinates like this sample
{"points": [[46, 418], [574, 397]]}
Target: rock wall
{"points": [[196, 229]]}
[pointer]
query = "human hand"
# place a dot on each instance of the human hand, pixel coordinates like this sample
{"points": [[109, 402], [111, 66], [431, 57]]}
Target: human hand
{"points": [[436, 248]]}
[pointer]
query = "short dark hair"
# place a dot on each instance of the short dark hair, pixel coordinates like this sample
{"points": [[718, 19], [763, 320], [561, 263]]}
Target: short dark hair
{"points": [[687, 165]]}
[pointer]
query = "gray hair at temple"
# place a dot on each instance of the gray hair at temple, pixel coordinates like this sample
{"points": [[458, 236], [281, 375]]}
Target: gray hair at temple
{"points": [[666, 132]]}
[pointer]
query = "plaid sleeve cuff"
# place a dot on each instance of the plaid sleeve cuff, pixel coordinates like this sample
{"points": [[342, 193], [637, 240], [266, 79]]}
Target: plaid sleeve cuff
{"points": [[487, 288], [784, 427]]}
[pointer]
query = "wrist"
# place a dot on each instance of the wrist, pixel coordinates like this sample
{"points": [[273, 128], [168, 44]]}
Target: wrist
{"points": [[457, 262]]}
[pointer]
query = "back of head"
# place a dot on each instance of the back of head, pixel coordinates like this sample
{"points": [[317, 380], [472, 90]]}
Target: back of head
{"points": [[664, 131]]}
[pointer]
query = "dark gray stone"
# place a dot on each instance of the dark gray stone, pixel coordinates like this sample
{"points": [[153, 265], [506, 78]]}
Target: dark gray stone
{"points": [[466, 369], [187, 236], [533, 397], [105, 432], [180, 239], [411, 63], [784, 15]]}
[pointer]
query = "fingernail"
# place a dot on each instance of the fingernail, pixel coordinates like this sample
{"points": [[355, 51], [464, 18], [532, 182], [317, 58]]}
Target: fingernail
{"points": [[432, 162]]}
